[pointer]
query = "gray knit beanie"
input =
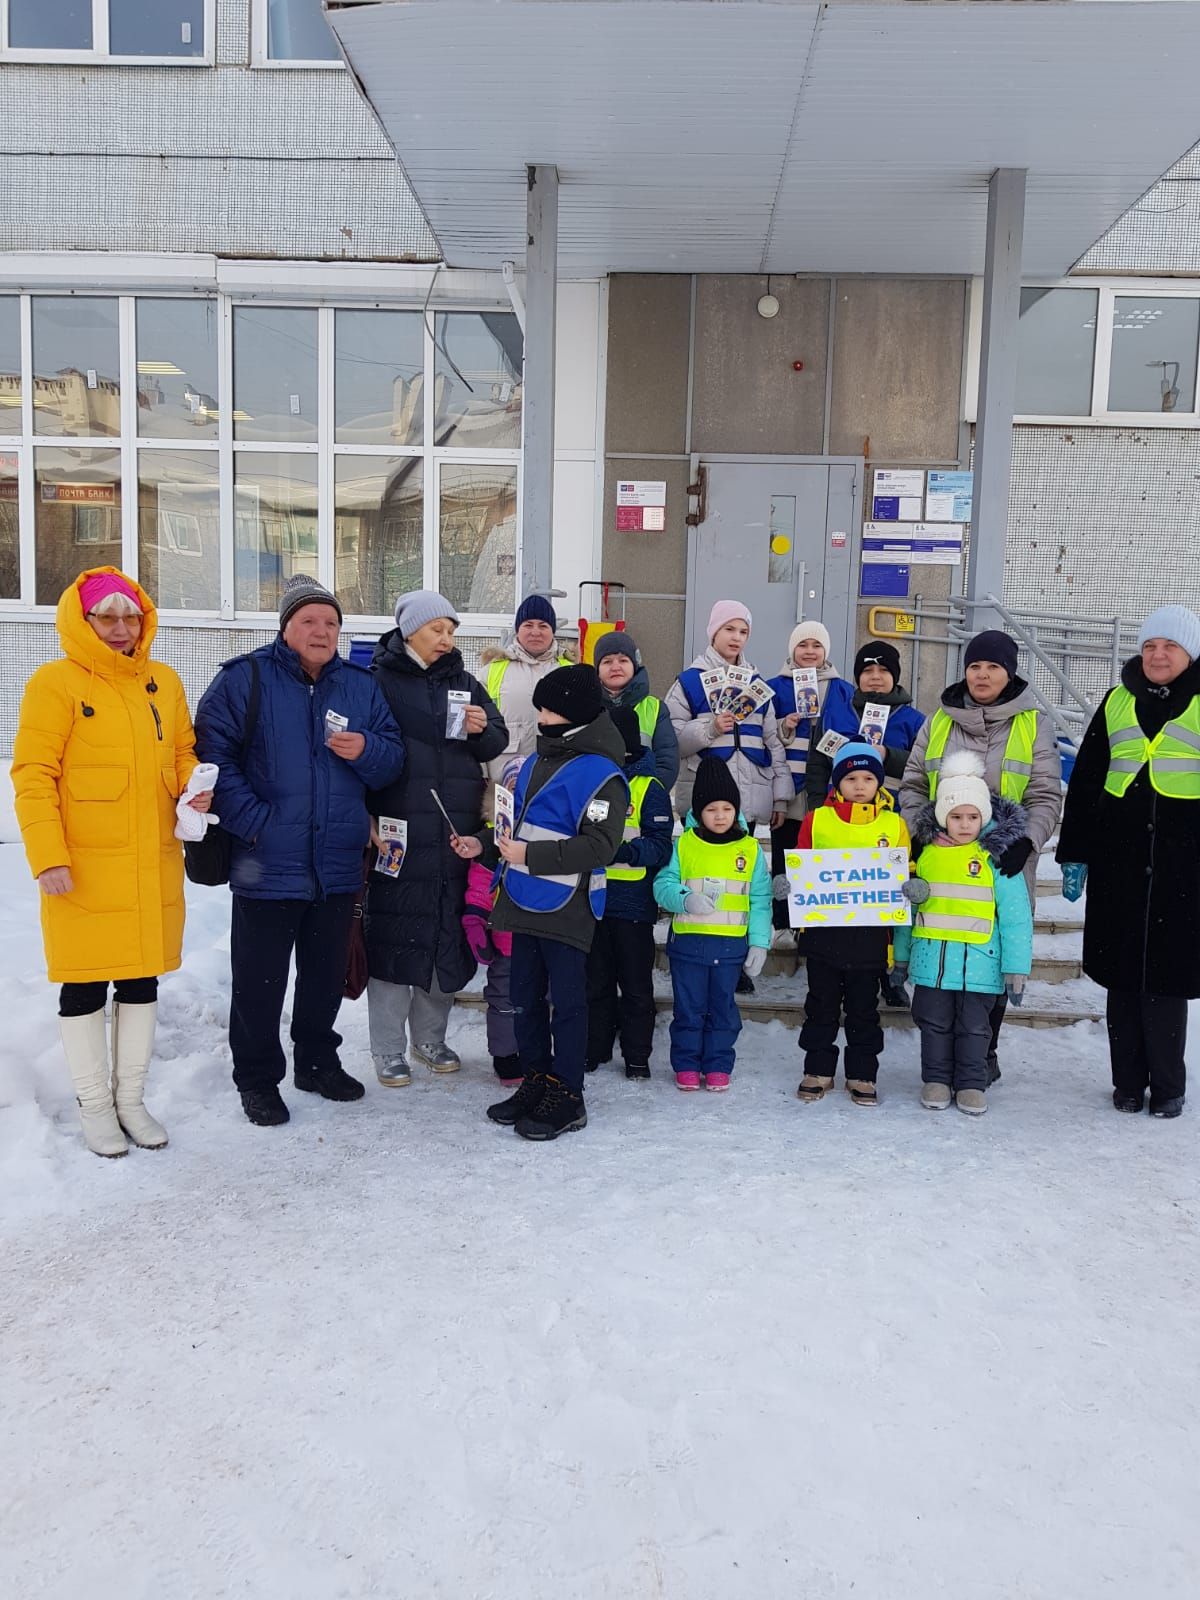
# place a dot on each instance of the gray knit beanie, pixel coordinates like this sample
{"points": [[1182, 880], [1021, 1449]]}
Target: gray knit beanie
{"points": [[419, 606], [304, 591]]}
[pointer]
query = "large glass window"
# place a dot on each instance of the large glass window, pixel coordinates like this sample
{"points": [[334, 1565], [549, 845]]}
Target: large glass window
{"points": [[274, 374], [78, 510], [156, 27], [179, 528], [10, 528], [378, 531], [478, 356], [177, 369], [1154, 348], [1056, 346], [477, 537], [10, 364], [50, 24], [379, 377], [275, 512], [297, 31], [76, 366]]}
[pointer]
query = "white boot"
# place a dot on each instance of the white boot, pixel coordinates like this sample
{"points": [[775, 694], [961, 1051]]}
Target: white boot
{"points": [[132, 1047], [85, 1042]]}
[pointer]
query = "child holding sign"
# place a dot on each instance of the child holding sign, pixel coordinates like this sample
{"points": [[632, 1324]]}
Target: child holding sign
{"points": [[844, 964], [972, 937], [718, 890]]}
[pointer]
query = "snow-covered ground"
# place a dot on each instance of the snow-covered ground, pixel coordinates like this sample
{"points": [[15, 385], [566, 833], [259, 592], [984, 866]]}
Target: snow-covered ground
{"points": [[713, 1347]]}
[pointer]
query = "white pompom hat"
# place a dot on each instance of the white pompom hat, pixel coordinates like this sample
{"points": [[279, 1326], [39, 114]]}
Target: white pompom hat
{"points": [[961, 783]]}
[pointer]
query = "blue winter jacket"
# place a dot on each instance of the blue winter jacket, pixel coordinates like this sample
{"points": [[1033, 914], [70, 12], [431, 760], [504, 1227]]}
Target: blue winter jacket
{"points": [[296, 811], [632, 899], [665, 744], [842, 713], [713, 949]]}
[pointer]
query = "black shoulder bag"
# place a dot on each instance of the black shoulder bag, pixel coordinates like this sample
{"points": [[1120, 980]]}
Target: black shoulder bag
{"points": [[207, 861]]}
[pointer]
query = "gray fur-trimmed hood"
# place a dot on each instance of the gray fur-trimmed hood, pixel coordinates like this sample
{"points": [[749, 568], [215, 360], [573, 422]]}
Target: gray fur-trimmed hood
{"points": [[1005, 828]]}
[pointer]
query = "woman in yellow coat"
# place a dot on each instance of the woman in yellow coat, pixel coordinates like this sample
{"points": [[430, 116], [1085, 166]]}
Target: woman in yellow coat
{"points": [[104, 750]]}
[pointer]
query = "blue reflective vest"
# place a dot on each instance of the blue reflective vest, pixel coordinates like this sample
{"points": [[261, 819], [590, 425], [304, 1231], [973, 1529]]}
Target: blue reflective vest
{"points": [[749, 733], [556, 812], [784, 689]]}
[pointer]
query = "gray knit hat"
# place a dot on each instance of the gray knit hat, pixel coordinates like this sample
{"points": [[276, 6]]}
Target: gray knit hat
{"points": [[419, 606], [304, 591]]}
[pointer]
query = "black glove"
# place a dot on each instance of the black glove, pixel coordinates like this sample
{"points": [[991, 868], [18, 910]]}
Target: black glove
{"points": [[1014, 858]]}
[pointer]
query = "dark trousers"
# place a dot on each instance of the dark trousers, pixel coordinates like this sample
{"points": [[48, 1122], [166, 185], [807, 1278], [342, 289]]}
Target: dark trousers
{"points": [[81, 999], [956, 1029], [264, 934], [706, 1021], [620, 990], [998, 1005], [832, 989], [784, 837], [1146, 1036], [548, 974]]}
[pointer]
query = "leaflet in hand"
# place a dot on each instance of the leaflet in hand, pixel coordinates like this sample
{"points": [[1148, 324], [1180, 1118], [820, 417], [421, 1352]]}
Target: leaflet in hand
{"points": [[830, 743], [335, 723], [712, 681], [874, 722], [457, 701], [750, 700], [808, 699], [506, 815], [393, 845]]}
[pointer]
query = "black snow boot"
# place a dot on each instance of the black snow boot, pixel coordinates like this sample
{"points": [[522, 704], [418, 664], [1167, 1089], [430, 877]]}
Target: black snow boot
{"points": [[331, 1083], [265, 1108], [558, 1111], [518, 1105], [1166, 1108], [1129, 1102], [637, 1069], [993, 1067], [507, 1068]]}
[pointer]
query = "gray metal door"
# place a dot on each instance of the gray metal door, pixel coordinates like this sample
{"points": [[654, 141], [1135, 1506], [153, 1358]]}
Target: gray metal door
{"points": [[780, 535]]}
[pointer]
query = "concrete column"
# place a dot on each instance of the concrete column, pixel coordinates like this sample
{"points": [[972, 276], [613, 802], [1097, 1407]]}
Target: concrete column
{"points": [[997, 389], [541, 306]]}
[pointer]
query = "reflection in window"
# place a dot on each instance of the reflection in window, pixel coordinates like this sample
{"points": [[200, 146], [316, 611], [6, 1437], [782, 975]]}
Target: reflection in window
{"points": [[274, 374], [378, 532], [10, 528], [275, 518], [1154, 346], [297, 31], [10, 364], [379, 379], [177, 369], [50, 24], [179, 555], [1056, 341], [477, 366], [76, 366], [477, 537], [156, 27], [77, 495]]}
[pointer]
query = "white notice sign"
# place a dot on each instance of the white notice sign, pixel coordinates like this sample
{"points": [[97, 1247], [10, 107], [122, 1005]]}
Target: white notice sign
{"points": [[641, 492]]}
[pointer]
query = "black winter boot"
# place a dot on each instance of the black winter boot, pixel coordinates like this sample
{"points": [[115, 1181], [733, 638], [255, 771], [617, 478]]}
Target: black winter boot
{"points": [[637, 1069], [558, 1111], [1132, 1103], [265, 1108], [507, 1068], [1165, 1108], [507, 1112], [993, 1067], [893, 994], [331, 1083]]}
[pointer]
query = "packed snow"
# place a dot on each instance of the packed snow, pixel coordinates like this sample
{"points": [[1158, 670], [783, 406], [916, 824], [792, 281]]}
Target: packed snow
{"points": [[712, 1347]]}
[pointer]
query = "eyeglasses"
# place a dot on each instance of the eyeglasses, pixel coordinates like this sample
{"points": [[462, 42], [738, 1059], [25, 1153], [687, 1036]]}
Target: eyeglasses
{"points": [[132, 620]]}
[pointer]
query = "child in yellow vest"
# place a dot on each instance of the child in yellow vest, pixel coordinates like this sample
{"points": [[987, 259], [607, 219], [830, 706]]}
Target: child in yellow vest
{"points": [[717, 888], [844, 965], [972, 932]]}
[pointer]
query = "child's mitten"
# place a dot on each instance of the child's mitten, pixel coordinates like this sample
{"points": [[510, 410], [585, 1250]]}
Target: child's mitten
{"points": [[700, 905], [1014, 987], [915, 891], [756, 960], [1074, 878]]}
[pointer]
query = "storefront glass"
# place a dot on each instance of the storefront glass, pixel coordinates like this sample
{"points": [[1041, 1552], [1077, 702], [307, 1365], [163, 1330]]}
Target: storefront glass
{"points": [[378, 531], [177, 369], [77, 495], [1153, 362], [274, 374], [275, 514], [477, 537], [379, 377], [477, 365], [179, 528], [76, 365]]}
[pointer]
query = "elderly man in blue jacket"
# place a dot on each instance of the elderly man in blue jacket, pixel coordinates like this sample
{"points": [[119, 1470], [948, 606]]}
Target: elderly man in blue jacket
{"points": [[300, 736]]}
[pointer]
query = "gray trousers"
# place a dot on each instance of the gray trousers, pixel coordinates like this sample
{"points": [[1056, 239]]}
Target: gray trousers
{"points": [[390, 1006], [956, 1034]]}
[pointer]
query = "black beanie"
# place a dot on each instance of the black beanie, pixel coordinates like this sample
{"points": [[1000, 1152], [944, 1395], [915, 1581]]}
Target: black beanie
{"points": [[573, 692], [714, 781], [879, 653], [627, 725], [993, 645]]}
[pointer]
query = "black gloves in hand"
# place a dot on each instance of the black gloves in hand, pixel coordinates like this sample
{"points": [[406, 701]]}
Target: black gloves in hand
{"points": [[1014, 858]]}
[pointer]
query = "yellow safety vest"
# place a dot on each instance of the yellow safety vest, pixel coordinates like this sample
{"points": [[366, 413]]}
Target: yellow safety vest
{"points": [[1016, 765], [731, 866], [497, 669], [871, 828], [1173, 754], [633, 829], [962, 900]]}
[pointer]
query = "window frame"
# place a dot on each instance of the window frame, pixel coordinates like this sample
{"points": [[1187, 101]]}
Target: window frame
{"points": [[260, 58], [99, 53]]}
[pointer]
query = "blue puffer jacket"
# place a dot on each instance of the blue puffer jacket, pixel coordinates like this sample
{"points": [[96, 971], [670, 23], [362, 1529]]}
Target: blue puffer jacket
{"points": [[297, 812], [632, 899], [973, 968], [842, 713], [665, 744]]}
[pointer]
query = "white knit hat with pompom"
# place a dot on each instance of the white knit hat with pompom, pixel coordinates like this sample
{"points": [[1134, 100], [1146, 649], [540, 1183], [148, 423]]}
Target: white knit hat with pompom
{"points": [[961, 783]]}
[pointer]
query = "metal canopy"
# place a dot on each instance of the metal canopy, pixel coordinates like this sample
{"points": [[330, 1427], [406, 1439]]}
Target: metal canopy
{"points": [[777, 135]]}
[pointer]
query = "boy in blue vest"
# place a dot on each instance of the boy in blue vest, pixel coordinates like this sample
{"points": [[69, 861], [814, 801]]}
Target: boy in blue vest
{"points": [[622, 954], [570, 802], [718, 889]]}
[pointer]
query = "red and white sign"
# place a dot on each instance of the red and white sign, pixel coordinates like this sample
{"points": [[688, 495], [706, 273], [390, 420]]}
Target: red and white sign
{"points": [[641, 505], [80, 494]]}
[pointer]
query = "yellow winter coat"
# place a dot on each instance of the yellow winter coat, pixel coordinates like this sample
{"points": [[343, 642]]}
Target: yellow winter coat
{"points": [[96, 793]]}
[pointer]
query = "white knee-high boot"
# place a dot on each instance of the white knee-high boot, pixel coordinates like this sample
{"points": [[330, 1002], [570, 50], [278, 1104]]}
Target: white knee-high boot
{"points": [[132, 1047], [85, 1043]]}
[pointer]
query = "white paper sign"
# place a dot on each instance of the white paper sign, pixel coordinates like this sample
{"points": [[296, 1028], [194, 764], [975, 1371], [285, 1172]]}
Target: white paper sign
{"points": [[903, 484], [847, 888], [641, 492]]}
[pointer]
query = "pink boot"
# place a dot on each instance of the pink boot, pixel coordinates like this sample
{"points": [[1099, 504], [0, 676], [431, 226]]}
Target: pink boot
{"points": [[718, 1082], [687, 1080]]}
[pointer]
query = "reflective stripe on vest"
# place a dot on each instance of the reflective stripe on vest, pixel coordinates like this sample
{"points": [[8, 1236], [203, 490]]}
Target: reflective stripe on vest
{"points": [[1173, 754], [555, 812], [749, 733], [728, 866], [633, 829], [962, 900], [831, 832], [497, 669], [1016, 764]]}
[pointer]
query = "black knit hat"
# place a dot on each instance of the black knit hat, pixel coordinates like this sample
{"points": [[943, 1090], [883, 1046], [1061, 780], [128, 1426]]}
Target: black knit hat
{"points": [[573, 692], [992, 645], [714, 781], [627, 725], [879, 653]]}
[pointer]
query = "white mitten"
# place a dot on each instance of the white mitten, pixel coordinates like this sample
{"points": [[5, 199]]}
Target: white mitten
{"points": [[191, 826]]}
